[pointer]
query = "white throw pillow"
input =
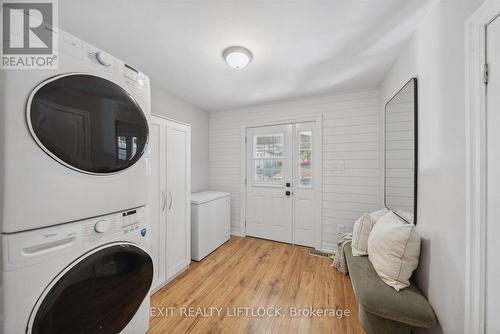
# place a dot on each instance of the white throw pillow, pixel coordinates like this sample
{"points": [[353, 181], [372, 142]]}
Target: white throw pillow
{"points": [[394, 249], [361, 231], [379, 214]]}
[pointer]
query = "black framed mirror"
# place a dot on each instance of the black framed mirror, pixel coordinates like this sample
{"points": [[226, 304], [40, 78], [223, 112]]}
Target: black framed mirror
{"points": [[401, 152]]}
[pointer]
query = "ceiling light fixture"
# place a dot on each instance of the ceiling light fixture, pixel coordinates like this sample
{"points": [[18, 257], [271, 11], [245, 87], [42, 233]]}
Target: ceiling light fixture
{"points": [[237, 57]]}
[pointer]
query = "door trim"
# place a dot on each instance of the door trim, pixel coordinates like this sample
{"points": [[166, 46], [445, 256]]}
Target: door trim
{"points": [[475, 121], [318, 222]]}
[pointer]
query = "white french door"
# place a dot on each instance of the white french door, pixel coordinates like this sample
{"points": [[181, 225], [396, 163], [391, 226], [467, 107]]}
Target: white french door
{"points": [[269, 175], [305, 176], [281, 196]]}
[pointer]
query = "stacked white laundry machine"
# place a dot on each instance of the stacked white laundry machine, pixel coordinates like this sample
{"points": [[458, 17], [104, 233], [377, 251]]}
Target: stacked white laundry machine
{"points": [[73, 181]]}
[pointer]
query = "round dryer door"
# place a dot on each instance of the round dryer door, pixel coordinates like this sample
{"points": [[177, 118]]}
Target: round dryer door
{"points": [[87, 123], [98, 293]]}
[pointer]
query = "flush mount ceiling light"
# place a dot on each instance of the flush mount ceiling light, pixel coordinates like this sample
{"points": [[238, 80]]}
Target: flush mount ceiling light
{"points": [[237, 57]]}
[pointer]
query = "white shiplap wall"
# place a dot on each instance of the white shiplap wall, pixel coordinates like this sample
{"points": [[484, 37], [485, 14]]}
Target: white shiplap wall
{"points": [[350, 134]]}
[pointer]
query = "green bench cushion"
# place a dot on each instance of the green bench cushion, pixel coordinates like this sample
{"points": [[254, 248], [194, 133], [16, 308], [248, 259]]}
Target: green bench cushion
{"points": [[408, 305]]}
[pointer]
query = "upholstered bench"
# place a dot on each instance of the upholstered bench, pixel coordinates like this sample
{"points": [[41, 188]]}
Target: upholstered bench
{"points": [[381, 308]]}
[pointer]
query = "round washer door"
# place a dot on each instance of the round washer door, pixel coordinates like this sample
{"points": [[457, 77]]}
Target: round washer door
{"points": [[87, 123], [98, 293]]}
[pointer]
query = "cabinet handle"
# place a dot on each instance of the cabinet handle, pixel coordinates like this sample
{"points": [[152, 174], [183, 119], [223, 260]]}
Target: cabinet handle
{"points": [[163, 201], [171, 200]]}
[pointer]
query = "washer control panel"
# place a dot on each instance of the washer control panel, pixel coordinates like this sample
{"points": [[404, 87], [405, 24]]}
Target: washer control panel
{"points": [[131, 218], [116, 223], [103, 226], [103, 58], [46, 244]]}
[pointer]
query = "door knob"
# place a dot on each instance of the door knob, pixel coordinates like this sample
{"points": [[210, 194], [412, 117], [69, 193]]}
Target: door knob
{"points": [[288, 193], [288, 184]]}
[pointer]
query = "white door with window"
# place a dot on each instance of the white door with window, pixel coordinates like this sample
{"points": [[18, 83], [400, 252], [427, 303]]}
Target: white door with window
{"points": [[281, 197], [269, 170]]}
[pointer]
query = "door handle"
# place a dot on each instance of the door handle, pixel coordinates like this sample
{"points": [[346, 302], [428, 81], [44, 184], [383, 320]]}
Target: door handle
{"points": [[288, 193], [171, 200], [163, 201]]}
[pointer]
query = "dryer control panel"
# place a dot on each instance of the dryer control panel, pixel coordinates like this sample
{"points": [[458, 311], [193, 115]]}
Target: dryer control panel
{"points": [[72, 47]]}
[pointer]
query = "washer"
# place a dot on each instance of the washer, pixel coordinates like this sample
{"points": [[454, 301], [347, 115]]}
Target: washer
{"points": [[90, 276], [73, 141]]}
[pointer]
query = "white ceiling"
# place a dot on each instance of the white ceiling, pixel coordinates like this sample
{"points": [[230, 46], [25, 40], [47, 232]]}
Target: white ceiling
{"points": [[300, 48]]}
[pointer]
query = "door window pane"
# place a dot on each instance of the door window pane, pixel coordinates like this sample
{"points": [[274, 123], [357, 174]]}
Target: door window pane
{"points": [[268, 158], [268, 146], [259, 170], [305, 159]]}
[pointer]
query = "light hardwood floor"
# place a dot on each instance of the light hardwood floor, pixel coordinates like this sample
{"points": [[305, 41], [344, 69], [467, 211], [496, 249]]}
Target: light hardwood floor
{"points": [[252, 273]]}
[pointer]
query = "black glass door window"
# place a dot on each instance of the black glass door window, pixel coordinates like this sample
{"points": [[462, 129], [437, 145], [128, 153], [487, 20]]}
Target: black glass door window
{"points": [[100, 294], [88, 123]]}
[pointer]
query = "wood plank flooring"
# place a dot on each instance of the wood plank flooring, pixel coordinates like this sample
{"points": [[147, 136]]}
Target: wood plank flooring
{"points": [[251, 285]]}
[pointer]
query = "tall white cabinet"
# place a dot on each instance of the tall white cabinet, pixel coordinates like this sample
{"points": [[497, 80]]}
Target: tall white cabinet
{"points": [[169, 203]]}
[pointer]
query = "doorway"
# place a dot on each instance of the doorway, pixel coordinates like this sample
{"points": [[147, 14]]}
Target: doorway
{"points": [[283, 182]]}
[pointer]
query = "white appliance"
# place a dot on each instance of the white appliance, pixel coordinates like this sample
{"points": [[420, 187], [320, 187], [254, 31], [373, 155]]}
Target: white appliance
{"points": [[169, 209], [90, 276], [210, 222], [72, 140]]}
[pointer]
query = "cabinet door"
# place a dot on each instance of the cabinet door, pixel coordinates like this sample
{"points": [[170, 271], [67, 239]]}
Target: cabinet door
{"points": [[178, 197], [158, 199]]}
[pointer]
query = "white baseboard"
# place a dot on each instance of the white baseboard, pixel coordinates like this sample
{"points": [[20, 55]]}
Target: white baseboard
{"points": [[235, 230], [328, 247]]}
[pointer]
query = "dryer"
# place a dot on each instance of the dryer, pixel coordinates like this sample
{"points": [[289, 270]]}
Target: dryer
{"points": [[73, 141], [90, 276]]}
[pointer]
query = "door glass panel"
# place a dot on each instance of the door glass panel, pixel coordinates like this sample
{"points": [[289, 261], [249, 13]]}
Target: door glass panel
{"points": [[88, 123], [305, 159], [100, 294], [259, 170], [268, 158]]}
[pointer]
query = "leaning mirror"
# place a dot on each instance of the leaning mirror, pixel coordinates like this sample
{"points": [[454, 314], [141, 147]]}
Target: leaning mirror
{"points": [[400, 193]]}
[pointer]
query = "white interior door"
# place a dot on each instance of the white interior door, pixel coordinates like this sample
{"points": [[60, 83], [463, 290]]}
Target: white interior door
{"points": [[305, 184], [493, 179], [157, 199], [269, 204], [178, 198]]}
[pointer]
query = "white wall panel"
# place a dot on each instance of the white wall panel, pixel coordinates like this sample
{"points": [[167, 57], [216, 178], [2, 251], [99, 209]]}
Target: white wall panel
{"points": [[165, 104], [350, 135], [435, 55]]}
